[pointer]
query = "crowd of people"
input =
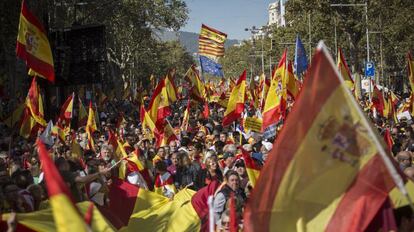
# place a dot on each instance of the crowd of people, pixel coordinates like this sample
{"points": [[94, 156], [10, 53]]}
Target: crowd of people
{"points": [[204, 152]]}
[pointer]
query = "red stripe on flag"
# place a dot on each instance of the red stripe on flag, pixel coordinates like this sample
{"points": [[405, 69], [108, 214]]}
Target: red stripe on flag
{"points": [[363, 199], [39, 66], [31, 18], [234, 115]]}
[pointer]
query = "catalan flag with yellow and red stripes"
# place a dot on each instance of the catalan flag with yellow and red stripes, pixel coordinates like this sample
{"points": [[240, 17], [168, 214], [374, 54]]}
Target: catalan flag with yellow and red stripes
{"points": [[211, 42], [328, 170]]}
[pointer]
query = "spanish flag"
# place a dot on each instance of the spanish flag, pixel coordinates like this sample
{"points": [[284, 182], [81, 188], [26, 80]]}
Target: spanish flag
{"points": [[378, 101], [410, 67], [186, 117], [235, 106], [344, 70], [35, 103], [43, 220], [164, 136], [275, 105], [91, 127], [83, 115], [33, 45], [159, 106], [252, 169], [290, 82], [171, 88], [66, 112], [328, 170], [198, 90], [66, 214]]}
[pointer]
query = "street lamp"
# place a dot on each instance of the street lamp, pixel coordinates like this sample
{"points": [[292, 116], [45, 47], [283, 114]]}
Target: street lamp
{"points": [[255, 31]]}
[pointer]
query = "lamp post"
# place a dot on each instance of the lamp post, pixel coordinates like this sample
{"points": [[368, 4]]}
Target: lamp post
{"points": [[256, 31]]}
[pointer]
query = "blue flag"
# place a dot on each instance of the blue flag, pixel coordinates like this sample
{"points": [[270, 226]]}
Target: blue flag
{"points": [[301, 61], [210, 66]]}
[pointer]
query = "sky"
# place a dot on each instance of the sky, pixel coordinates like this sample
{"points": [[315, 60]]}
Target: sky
{"points": [[228, 16]]}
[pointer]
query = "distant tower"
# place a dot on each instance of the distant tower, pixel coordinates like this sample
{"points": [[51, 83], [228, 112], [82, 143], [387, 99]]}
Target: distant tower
{"points": [[277, 13]]}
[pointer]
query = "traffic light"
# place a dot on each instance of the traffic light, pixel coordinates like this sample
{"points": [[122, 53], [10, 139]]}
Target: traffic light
{"points": [[272, 44]]}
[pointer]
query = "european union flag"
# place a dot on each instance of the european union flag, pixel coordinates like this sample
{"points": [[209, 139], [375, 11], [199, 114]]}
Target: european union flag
{"points": [[210, 66], [301, 61]]}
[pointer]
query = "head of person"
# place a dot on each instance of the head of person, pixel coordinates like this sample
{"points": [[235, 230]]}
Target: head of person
{"points": [[232, 179], [62, 164], [266, 148], [173, 146], [183, 159], [228, 159], [404, 159], [223, 137], [106, 153], [174, 158], [161, 152], [160, 167], [240, 168], [212, 163], [22, 178]]}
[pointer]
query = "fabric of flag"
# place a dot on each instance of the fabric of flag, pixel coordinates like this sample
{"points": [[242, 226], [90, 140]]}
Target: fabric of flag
{"points": [[66, 112], [83, 114], [33, 45], [344, 70], [252, 169], [388, 139], [28, 125], [34, 102], [233, 219], [275, 104], [291, 82], [164, 184], [378, 100], [159, 106], [410, 67], [15, 116], [164, 136], [327, 170], [235, 107], [65, 213], [301, 60], [211, 67], [191, 213], [170, 86], [211, 42], [43, 220], [198, 89], [91, 127], [186, 117]]}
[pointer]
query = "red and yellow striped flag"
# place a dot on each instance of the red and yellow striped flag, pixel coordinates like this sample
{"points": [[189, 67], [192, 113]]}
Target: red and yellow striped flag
{"points": [[65, 212], [211, 42], [33, 45], [344, 70], [328, 170], [235, 106]]}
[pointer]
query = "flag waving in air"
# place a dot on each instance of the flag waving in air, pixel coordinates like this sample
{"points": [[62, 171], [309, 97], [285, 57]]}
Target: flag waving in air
{"points": [[235, 106], [33, 45], [344, 70], [211, 42], [328, 170]]}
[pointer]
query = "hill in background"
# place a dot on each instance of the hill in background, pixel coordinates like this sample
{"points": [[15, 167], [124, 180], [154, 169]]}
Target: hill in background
{"points": [[189, 40]]}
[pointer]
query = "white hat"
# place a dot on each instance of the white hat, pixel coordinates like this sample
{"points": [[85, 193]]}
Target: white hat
{"points": [[267, 145]]}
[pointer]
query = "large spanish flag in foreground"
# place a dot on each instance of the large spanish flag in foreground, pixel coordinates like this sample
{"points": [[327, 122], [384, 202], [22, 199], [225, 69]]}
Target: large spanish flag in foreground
{"points": [[43, 220], [235, 106], [33, 45], [328, 171], [65, 213]]}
